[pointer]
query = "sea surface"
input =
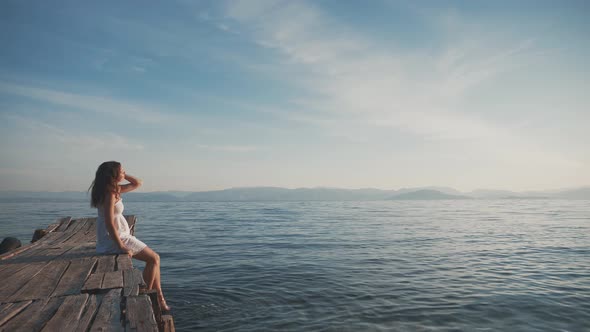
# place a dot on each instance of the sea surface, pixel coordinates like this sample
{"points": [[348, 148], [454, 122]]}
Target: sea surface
{"points": [[464, 265]]}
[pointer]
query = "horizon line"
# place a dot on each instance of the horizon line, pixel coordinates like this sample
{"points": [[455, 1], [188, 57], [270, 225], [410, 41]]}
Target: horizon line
{"points": [[317, 187]]}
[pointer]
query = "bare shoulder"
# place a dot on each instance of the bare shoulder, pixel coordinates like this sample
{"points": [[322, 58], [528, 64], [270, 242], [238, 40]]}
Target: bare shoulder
{"points": [[109, 199]]}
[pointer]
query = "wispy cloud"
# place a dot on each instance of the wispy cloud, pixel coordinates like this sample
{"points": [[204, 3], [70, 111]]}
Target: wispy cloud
{"points": [[228, 148], [350, 75], [50, 133], [302, 87], [98, 104], [355, 85]]}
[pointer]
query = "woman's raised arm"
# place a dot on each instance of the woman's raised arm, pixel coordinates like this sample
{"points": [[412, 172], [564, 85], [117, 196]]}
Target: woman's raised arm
{"points": [[133, 184]]}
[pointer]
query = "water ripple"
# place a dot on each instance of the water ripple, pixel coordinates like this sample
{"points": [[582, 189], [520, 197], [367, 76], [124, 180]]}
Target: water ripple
{"points": [[473, 265]]}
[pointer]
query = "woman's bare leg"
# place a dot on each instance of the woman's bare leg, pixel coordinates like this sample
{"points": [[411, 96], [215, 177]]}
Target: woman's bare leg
{"points": [[151, 272], [152, 265]]}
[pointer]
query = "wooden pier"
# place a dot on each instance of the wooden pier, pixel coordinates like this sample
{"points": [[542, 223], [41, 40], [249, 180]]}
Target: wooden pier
{"points": [[59, 283]]}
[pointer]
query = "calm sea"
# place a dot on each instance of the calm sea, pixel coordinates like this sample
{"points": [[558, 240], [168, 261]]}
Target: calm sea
{"points": [[468, 265]]}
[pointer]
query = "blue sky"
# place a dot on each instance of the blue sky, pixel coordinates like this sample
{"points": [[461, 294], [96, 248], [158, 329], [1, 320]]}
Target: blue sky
{"points": [[200, 95]]}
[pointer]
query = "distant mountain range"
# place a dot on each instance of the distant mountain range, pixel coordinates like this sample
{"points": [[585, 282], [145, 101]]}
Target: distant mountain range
{"points": [[301, 194]]}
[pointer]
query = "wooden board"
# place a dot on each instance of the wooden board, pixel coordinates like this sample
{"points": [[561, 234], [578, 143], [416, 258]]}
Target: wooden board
{"points": [[137, 318], [63, 224], [78, 232], [67, 317], [52, 227], [9, 310], [81, 250], [132, 281], [10, 267], [43, 283], [13, 283], [106, 264], [43, 253], [91, 225], [88, 313], [34, 316], [124, 262], [112, 280], [17, 251], [108, 317], [167, 324], [93, 283], [74, 277]]}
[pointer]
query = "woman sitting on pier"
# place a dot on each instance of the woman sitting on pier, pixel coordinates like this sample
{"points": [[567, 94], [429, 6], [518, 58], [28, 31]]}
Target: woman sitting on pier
{"points": [[112, 231]]}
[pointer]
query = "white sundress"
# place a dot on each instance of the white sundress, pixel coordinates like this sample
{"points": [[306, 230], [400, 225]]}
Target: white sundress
{"points": [[104, 242]]}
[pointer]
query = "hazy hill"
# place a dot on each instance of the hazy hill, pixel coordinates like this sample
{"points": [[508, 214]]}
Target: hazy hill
{"points": [[283, 194], [488, 193], [444, 190], [299, 194], [426, 194]]}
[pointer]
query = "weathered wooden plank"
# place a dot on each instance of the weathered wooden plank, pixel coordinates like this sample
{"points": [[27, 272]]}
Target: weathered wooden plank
{"points": [[112, 280], [42, 284], [80, 224], [49, 238], [93, 283], [74, 231], [90, 225], [34, 316], [167, 324], [66, 234], [17, 251], [132, 281], [138, 275], [43, 253], [78, 231], [153, 295], [54, 238], [9, 310], [39, 233], [52, 227], [106, 263], [4, 265], [139, 315], [81, 250], [67, 315], [13, 283], [124, 262], [88, 313], [108, 317], [75, 276], [10, 267], [63, 224]]}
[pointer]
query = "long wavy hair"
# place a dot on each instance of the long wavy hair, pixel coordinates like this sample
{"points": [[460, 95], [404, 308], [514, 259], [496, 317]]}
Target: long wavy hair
{"points": [[105, 182]]}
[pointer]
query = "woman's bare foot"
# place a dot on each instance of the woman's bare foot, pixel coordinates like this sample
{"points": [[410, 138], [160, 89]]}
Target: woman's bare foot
{"points": [[163, 305]]}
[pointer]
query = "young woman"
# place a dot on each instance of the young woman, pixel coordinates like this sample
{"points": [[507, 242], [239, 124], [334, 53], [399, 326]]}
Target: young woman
{"points": [[112, 230]]}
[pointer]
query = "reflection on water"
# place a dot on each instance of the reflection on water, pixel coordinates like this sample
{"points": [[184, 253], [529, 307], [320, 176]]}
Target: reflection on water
{"points": [[472, 265]]}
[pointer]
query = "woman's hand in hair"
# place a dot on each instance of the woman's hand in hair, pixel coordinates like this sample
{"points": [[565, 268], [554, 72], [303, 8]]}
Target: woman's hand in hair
{"points": [[133, 184]]}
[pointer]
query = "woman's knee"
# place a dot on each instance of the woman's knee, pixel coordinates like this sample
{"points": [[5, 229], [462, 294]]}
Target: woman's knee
{"points": [[149, 256], [153, 258]]}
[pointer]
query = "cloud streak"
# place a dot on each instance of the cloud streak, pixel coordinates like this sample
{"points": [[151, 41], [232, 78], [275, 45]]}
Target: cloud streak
{"points": [[228, 148], [52, 134], [98, 104], [349, 75]]}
